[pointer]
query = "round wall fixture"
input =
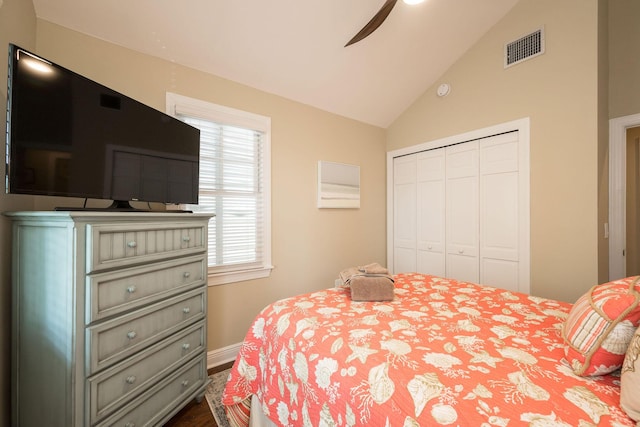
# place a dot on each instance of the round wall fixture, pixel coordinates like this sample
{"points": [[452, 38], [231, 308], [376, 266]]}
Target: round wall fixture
{"points": [[443, 89]]}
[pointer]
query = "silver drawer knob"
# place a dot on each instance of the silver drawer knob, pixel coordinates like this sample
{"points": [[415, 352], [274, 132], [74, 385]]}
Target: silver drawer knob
{"points": [[186, 346], [130, 425], [185, 383], [186, 275], [132, 244], [131, 379], [186, 310], [131, 289], [186, 238], [131, 334]]}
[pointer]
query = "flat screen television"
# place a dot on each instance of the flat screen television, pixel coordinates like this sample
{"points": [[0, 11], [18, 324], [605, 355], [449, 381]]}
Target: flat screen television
{"points": [[70, 136]]}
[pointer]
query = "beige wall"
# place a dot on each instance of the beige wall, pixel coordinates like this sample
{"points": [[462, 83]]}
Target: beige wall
{"points": [[559, 92], [624, 58]]}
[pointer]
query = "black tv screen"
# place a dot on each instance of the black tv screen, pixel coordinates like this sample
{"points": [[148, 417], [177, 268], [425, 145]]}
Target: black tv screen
{"points": [[70, 136]]}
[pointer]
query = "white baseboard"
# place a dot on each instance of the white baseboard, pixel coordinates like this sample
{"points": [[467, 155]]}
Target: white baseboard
{"points": [[223, 355]]}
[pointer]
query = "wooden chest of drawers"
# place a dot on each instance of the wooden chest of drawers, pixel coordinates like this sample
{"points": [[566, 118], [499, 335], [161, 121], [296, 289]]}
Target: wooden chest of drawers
{"points": [[109, 321]]}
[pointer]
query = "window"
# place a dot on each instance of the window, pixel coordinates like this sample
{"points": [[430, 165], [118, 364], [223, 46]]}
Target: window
{"points": [[235, 183]]}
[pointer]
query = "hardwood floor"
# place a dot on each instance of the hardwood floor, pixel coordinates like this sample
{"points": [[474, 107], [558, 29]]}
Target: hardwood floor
{"points": [[197, 414]]}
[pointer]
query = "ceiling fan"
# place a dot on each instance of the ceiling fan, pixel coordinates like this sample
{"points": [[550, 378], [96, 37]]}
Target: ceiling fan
{"points": [[377, 20]]}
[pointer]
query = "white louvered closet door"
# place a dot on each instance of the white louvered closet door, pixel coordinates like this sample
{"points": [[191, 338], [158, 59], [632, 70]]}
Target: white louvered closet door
{"points": [[404, 213], [462, 212], [431, 212]]}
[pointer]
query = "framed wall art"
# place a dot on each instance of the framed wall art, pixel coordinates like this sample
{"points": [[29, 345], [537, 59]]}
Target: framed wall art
{"points": [[338, 185]]}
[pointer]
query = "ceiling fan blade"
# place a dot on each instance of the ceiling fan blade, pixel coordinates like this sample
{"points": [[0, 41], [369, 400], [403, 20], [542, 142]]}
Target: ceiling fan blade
{"points": [[375, 22]]}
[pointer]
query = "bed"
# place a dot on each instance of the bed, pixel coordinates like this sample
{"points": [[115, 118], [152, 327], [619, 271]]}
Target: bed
{"points": [[443, 352]]}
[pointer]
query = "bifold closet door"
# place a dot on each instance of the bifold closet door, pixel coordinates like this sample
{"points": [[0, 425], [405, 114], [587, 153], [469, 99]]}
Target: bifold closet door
{"points": [[499, 213], [404, 213], [462, 211], [459, 212], [431, 212]]}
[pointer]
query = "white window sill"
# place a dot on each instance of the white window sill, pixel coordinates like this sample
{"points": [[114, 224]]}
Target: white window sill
{"points": [[223, 278]]}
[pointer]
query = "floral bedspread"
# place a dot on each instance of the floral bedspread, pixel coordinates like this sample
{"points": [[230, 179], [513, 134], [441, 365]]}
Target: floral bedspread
{"points": [[442, 353]]}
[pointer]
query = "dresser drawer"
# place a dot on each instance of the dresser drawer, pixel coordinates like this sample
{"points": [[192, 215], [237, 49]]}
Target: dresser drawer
{"points": [[119, 245], [123, 290], [114, 340], [116, 386], [154, 405]]}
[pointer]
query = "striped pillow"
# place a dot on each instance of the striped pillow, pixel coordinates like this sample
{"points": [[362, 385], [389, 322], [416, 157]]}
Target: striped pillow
{"points": [[600, 325], [630, 379]]}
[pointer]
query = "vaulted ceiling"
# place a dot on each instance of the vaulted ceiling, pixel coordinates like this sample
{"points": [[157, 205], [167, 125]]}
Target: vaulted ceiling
{"points": [[295, 48]]}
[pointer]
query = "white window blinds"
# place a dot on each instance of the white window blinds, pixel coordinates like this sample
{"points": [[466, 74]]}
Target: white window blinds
{"points": [[234, 186], [230, 187]]}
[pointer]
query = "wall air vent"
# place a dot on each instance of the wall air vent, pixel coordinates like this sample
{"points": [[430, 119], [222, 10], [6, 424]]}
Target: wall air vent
{"points": [[524, 48]]}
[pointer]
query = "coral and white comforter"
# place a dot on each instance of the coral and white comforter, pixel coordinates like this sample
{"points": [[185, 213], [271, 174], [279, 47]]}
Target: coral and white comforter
{"points": [[442, 353]]}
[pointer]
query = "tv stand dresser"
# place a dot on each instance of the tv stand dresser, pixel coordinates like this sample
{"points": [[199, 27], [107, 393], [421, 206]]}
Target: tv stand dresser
{"points": [[109, 317]]}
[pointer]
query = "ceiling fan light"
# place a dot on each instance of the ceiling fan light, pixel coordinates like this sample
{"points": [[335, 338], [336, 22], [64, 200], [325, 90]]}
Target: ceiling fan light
{"points": [[413, 1]]}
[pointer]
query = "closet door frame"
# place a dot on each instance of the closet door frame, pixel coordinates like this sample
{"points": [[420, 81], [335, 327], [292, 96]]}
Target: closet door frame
{"points": [[522, 126]]}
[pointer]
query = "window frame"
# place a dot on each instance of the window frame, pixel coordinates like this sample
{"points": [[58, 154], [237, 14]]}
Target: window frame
{"points": [[220, 114]]}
